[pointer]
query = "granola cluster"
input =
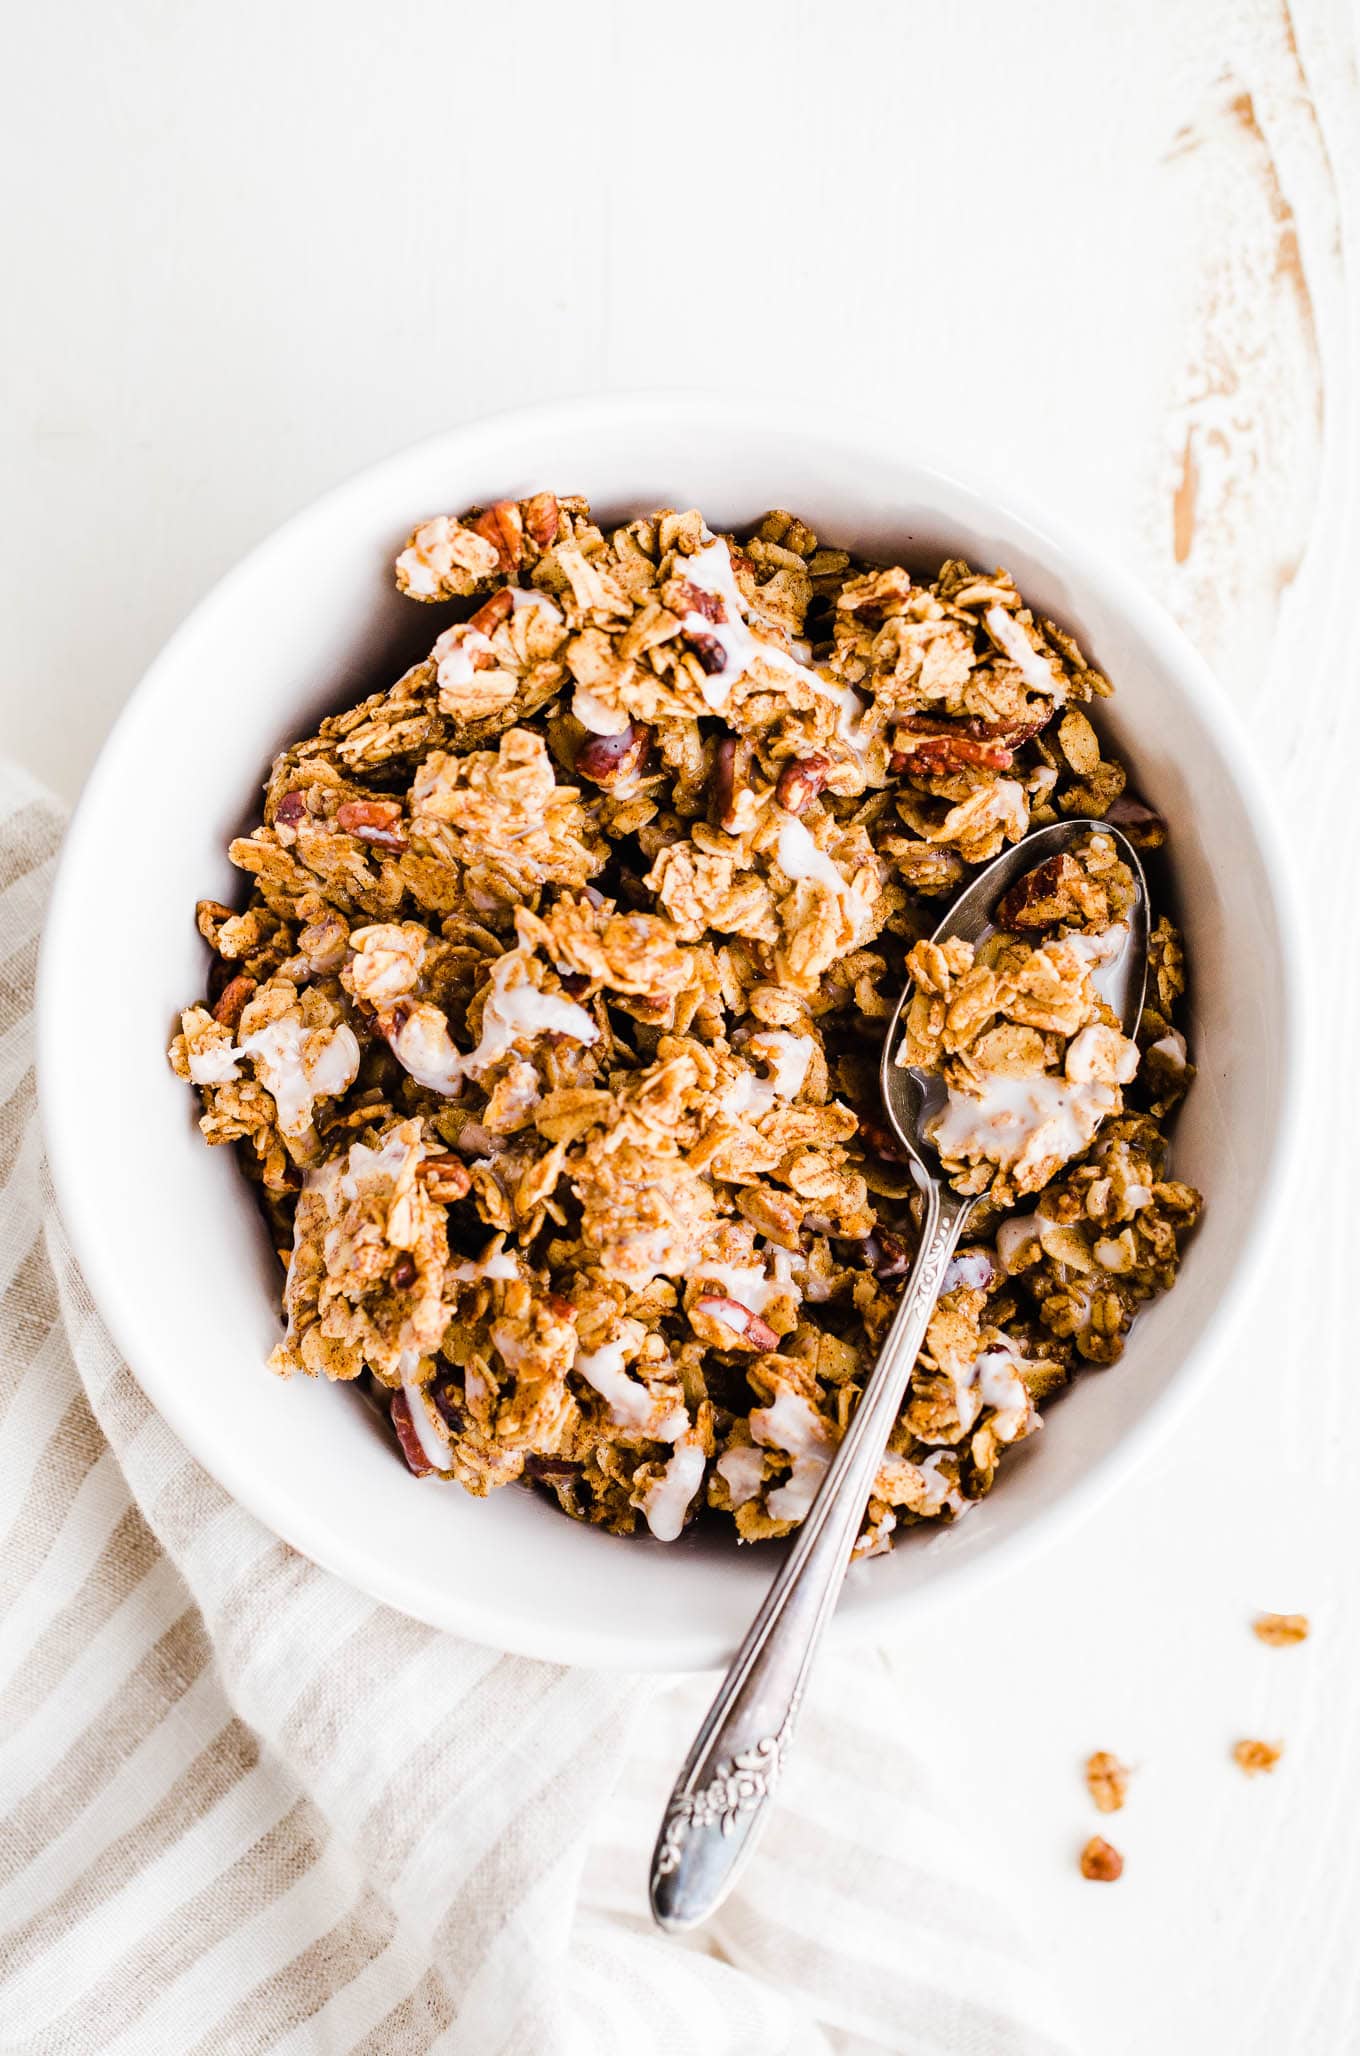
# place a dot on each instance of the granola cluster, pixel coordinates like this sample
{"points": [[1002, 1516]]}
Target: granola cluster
{"points": [[549, 1029]]}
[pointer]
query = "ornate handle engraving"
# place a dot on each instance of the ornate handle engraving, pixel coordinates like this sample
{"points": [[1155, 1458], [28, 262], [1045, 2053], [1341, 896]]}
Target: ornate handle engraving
{"points": [[738, 1786], [722, 1797]]}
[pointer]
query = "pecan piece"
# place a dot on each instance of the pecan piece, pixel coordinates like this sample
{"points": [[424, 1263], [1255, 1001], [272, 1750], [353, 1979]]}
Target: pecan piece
{"points": [[609, 759], [727, 780], [502, 525], [681, 597], [492, 612], [1107, 1780], [411, 1449], [1100, 1862], [1038, 898], [710, 652], [372, 821], [552, 1470], [541, 517], [291, 809], [445, 1177], [880, 1140], [800, 781], [748, 1330], [1142, 824], [232, 999]]}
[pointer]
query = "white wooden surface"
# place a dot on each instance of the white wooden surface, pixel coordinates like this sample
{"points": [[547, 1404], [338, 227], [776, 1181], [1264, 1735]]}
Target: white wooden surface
{"points": [[1112, 249]]}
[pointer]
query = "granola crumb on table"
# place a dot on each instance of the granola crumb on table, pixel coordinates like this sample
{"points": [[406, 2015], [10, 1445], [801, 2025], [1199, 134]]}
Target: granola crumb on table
{"points": [[1255, 1757], [1100, 1862], [1107, 1781], [548, 1032], [1280, 1630]]}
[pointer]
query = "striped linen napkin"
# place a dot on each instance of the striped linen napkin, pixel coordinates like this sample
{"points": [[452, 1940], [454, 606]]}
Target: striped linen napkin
{"points": [[244, 1808]]}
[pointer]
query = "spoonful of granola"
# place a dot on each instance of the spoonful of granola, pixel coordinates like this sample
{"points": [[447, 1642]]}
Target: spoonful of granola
{"points": [[1006, 1052]]}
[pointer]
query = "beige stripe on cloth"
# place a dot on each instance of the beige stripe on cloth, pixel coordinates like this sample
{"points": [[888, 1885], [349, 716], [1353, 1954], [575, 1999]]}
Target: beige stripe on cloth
{"points": [[244, 1808]]}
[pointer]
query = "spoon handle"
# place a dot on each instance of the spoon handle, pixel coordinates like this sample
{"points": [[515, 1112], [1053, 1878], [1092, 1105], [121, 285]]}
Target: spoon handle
{"points": [[722, 1795]]}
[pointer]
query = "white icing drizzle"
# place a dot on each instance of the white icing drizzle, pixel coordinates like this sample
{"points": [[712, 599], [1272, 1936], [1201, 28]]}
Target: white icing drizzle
{"points": [[592, 713], [521, 598], [424, 1048], [742, 1469], [996, 1378], [711, 570], [1017, 1233], [512, 1011], [426, 1051], [746, 1283], [939, 1492], [1101, 953], [1039, 675], [666, 1501], [630, 1403], [1173, 1047], [214, 1065], [433, 1446], [791, 1425], [1021, 1121], [296, 1081], [973, 1268], [788, 1058], [454, 651], [800, 857]]}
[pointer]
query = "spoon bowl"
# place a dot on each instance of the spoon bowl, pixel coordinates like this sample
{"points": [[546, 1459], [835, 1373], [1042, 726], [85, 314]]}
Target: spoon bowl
{"points": [[913, 1097]]}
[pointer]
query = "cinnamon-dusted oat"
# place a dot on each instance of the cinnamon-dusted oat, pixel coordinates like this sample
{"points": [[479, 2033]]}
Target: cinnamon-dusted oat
{"points": [[549, 1030]]}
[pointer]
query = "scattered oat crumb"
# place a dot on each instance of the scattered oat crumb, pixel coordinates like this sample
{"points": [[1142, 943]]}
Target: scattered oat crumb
{"points": [[1280, 1629], [1257, 1756], [1107, 1780], [1101, 1862]]}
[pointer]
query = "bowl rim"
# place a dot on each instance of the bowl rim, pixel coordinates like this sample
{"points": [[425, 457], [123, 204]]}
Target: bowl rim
{"points": [[843, 430]]}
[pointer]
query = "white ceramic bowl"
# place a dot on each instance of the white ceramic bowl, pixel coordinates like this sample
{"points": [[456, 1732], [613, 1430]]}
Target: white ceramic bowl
{"points": [[168, 1234]]}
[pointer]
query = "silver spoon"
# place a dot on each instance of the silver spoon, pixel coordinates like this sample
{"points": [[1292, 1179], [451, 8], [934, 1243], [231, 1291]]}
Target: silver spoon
{"points": [[722, 1795]]}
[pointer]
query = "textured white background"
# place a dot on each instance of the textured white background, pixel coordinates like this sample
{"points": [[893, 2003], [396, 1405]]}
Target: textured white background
{"points": [[1111, 249]]}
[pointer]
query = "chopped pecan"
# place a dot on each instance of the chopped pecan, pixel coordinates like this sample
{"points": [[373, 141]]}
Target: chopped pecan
{"points": [[684, 598], [1100, 1862], [1031, 900], [561, 1306], [710, 652], [880, 1139], [1142, 824], [411, 1449], [502, 525], [372, 821], [552, 1470], [1107, 1780], [233, 997], [609, 759], [445, 1177], [492, 612], [886, 1254], [291, 809], [541, 517], [753, 1332], [727, 780], [800, 781]]}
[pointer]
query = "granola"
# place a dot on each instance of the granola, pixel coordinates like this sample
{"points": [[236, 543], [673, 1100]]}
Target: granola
{"points": [[548, 1030]]}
